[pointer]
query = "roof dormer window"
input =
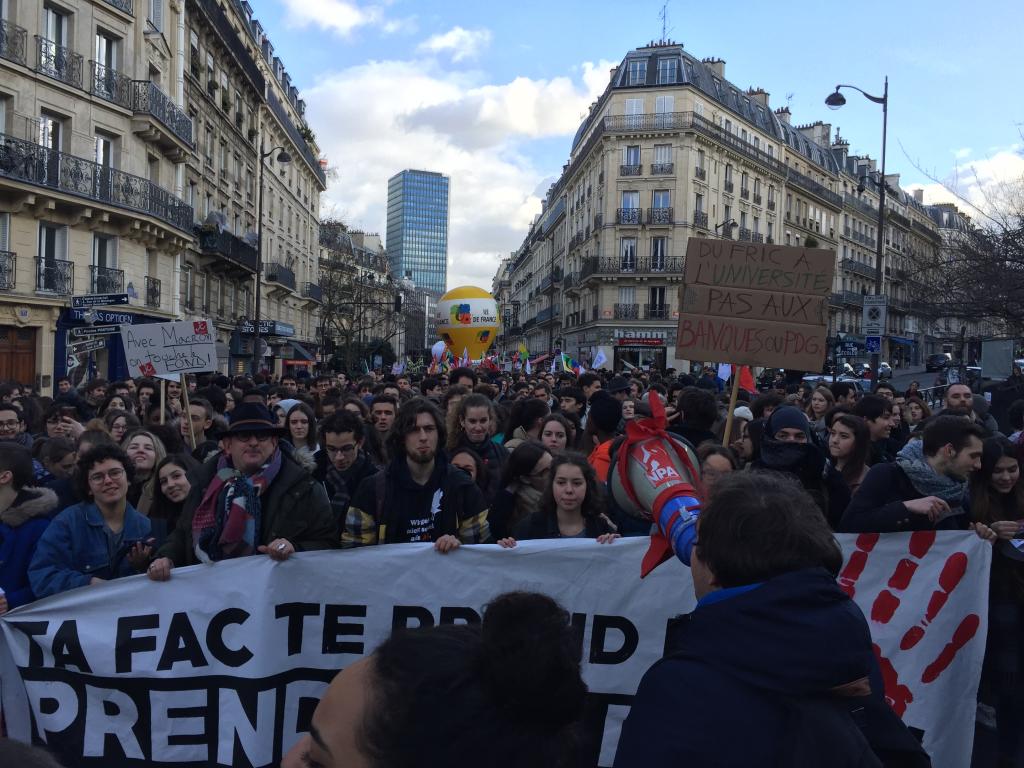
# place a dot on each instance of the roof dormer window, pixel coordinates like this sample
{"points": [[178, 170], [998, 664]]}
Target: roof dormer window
{"points": [[637, 73], [667, 71]]}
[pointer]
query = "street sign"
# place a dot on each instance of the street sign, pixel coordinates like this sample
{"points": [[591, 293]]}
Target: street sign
{"points": [[873, 316], [98, 300], [849, 349], [88, 331], [87, 346], [873, 344]]}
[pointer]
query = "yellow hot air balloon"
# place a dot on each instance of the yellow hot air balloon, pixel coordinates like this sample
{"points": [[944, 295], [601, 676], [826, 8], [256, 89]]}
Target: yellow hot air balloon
{"points": [[467, 319]]}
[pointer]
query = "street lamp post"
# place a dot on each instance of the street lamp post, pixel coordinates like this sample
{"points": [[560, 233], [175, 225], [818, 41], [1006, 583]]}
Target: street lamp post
{"points": [[726, 228], [283, 157], [835, 101]]}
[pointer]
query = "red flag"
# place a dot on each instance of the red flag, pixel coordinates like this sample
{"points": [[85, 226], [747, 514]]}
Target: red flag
{"points": [[747, 379]]}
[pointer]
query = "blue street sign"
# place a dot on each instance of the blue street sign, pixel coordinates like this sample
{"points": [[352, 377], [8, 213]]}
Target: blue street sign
{"points": [[873, 344]]}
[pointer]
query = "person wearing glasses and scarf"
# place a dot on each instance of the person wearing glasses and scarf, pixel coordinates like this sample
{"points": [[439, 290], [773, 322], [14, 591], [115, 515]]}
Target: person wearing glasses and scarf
{"points": [[253, 499]]}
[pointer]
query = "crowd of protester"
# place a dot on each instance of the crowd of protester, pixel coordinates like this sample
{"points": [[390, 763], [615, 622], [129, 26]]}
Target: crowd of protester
{"points": [[135, 476]]}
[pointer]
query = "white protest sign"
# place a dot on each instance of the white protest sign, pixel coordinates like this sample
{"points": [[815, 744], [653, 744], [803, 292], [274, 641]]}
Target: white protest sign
{"points": [[167, 350], [223, 665]]}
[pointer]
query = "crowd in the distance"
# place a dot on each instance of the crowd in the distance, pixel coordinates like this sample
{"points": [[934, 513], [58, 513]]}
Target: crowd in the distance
{"points": [[116, 478]]}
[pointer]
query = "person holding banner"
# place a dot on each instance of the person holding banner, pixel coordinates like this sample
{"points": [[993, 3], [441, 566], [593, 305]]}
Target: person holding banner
{"points": [[96, 540], [254, 498], [775, 652]]}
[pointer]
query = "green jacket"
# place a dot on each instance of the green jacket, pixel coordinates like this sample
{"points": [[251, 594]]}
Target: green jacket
{"points": [[295, 507]]}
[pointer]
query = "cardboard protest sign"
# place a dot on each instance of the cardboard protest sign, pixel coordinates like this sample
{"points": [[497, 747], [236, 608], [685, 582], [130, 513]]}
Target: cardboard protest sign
{"points": [[166, 350], [754, 304], [223, 664]]}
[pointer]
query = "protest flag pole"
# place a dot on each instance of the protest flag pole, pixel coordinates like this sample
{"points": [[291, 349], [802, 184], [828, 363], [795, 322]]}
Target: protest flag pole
{"points": [[163, 401], [188, 413], [732, 406]]}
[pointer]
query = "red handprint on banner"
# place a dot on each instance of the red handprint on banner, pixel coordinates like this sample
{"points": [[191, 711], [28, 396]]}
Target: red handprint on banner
{"points": [[147, 369], [889, 598]]}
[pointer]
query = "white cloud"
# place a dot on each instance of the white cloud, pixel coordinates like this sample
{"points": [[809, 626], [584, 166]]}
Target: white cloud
{"points": [[462, 43], [963, 153], [991, 186], [375, 119], [339, 16]]}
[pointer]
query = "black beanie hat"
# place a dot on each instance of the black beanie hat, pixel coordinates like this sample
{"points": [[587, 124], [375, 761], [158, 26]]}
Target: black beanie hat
{"points": [[605, 411]]}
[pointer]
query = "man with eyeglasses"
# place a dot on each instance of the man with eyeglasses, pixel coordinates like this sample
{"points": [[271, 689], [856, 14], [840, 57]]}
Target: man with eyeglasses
{"points": [[12, 425], [253, 498], [342, 464]]}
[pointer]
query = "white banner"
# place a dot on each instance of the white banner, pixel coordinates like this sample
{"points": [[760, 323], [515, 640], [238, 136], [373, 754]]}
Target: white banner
{"points": [[167, 350], [223, 665]]}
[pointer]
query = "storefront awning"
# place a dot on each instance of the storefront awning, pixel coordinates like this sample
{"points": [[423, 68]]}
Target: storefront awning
{"points": [[301, 352], [901, 340]]}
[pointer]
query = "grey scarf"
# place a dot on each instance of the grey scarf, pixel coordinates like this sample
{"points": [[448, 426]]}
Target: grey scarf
{"points": [[927, 481]]}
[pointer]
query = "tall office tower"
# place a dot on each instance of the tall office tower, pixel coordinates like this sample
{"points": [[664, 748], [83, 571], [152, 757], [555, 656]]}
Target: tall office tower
{"points": [[417, 235]]}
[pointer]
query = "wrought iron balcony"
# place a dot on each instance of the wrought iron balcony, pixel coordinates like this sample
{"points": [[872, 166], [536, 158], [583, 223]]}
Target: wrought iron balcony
{"points": [[233, 250], [111, 85], [858, 268], [8, 270], [123, 5], [853, 298], [660, 215], [106, 280], [149, 101], [13, 42], [313, 292], [700, 219], [757, 199], [835, 299], [628, 215], [757, 237], [662, 168], [28, 162], [701, 173], [657, 312], [818, 190], [846, 231], [729, 186], [771, 204], [55, 276], [658, 121], [744, 234], [745, 193], [659, 263], [630, 170], [280, 274], [627, 312], [58, 62], [598, 220], [152, 291]]}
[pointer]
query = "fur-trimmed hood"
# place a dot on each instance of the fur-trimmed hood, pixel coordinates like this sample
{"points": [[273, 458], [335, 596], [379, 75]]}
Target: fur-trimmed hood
{"points": [[29, 503]]}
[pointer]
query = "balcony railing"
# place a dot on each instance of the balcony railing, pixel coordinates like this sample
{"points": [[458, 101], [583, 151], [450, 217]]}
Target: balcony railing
{"points": [[55, 276], [111, 85], [628, 215], [757, 237], [858, 267], [729, 186], [662, 168], [30, 163], [630, 265], [656, 312], [228, 246], [123, 5], [313, 292], [13, 42], [627, 312], [58, 62], [744, 234], [700, 173], [745, 193], [810, 185], [757, 199], [700, 219], [279, 273], [148, 99], [658, 121], [106, 280], [152, 291], [8, 270], [630, 170], [598, 220], [853, 298], [660, 215], [771, 205]]}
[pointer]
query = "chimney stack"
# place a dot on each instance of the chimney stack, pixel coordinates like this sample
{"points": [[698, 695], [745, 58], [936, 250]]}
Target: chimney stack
{"points": [[783, 114], [760, 95], [716, 65], [919, 196]]}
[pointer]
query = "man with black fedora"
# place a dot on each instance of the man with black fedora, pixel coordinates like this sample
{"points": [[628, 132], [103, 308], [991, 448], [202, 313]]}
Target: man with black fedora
{"points": [[254, 498]]}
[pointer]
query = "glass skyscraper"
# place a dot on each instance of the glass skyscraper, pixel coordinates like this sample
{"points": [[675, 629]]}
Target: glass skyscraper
{"points": [[417, 236]]}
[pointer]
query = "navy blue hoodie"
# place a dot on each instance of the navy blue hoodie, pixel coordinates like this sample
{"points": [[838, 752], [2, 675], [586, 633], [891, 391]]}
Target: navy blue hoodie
{"points": [[719, 697]]}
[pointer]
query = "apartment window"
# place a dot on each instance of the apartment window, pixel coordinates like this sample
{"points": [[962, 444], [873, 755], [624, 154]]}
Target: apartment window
{"points": [[53, 248], [627, 254], [662, 154], [104, 147], [225, 157], [637, 72], [630, 200], [104, 251], [757, 142], [210, 76], [701, 159], [728, 174], [193, 49], [726, 218], [744, 181], [209, 145], [186, 286], [664, 106], [789, 204], [769, 230], [771, 151], [743, 134], [771, 194], [627, 294], [207, 205], [698, 108], [634, 110], [5, 234], [659, 252], [662, 198], [757, 187], [667, 69], [698, 203], [728, 125], [156, 14], [656, 299], [757, 225], [51, 130], [631, 155]]}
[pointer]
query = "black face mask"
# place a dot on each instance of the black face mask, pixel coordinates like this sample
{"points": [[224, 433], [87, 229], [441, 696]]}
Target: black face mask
{"points": [[798, 458]]}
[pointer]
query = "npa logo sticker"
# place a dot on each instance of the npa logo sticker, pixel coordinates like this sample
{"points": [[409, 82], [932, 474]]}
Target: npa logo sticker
{"points": [[658, 464]]}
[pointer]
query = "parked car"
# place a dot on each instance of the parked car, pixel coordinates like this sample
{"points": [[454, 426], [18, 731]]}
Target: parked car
{"points": [[936, 362], [884, 371]]}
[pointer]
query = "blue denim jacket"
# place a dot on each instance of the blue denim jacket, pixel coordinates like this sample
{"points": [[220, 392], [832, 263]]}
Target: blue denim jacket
{"points": [[73, 549]]}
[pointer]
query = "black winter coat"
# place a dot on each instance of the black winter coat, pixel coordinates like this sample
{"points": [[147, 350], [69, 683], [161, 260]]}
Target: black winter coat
{"points": [[878, 506]]}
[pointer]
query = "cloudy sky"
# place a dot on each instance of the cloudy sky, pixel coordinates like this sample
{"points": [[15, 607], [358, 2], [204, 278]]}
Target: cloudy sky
{"points": [[492, 93]]}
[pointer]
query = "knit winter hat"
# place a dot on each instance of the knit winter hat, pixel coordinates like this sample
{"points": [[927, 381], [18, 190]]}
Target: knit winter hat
{"points": [[605, 411], [787, 417]]}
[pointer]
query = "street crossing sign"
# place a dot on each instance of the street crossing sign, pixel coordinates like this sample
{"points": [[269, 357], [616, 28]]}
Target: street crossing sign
{"points": [[98, 300], [873, 317]]}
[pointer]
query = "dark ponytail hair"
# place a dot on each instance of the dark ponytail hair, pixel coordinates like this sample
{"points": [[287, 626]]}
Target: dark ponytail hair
{"points": [[506, 693]]}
